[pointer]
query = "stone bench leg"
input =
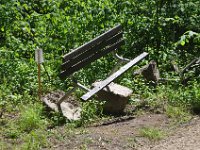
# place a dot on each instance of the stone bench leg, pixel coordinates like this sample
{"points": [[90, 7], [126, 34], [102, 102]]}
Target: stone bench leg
{"points": [[115, 96]]}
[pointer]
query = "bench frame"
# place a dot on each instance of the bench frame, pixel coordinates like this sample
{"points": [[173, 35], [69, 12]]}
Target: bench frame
{"points": [[106, 43]]}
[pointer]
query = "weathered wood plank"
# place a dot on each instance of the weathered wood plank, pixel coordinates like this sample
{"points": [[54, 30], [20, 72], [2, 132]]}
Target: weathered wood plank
{"points": [[91, 51], [114, 76], [90, 59], [88, 45], [189, 65]]}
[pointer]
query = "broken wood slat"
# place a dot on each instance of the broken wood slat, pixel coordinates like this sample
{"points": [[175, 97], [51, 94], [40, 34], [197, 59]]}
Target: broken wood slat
{"points": [[189, 65], [88, 45], [114, 76], [93, 50], [90, 59]]}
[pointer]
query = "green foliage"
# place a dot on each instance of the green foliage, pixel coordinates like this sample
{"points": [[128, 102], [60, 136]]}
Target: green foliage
{"points": [[178, 114], [186, 37], [185, 96], [91, 110], [57, 119], [30, 118], [58, 26], [192, 96], [35, 140], [167, 30], [12, 131]]}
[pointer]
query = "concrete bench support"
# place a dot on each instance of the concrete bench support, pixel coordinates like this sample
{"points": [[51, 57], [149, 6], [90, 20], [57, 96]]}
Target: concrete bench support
{"points": [[116, 97]]}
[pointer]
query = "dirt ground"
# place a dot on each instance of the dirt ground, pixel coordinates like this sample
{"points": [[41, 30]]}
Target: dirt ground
{"points": [[185, 137], [125, 135]]}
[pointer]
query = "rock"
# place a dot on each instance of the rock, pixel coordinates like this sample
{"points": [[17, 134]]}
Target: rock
{"points": [[70, 111], [69, 108], [116, 97]]}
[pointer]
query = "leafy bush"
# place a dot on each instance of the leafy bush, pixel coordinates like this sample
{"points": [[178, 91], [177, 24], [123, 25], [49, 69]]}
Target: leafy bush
{"points": [[60, 26], [167, 30]]}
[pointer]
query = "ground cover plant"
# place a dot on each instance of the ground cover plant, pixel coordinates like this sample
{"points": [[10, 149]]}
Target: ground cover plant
{"points": [[168, 30]]}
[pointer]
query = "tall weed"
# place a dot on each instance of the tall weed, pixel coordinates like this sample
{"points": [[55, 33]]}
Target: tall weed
{"points": [[31, 118]]}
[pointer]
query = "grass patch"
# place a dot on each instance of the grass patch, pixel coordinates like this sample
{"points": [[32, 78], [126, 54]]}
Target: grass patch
{"points": [[92, 110], [178, 114], [2, 145], [12, 131], [35, 140], [31, 118], [152, 133]]}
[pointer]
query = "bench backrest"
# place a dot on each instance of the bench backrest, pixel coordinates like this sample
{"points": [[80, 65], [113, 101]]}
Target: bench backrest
{"points": [[91, 51]]}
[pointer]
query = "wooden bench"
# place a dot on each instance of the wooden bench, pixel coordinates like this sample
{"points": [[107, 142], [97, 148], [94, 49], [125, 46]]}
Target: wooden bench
{"points": [[106, 43]]}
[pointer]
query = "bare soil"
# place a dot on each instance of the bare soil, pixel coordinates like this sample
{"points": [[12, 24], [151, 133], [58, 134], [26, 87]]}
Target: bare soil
{"points": [[126, 135]]}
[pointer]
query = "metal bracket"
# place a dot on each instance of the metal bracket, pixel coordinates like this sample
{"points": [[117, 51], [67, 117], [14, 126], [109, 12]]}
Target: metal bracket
{"points": [[79, 85], [76, 85], [66, 95], [121, 58], [82, 87], [120, 61]]}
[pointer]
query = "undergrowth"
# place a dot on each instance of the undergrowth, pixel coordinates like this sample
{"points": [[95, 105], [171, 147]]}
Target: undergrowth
{"points": [[167, 30]]}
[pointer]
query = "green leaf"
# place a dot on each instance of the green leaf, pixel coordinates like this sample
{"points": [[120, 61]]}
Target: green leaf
{"points": [[183, 43], [48, 16], [2, 28]]}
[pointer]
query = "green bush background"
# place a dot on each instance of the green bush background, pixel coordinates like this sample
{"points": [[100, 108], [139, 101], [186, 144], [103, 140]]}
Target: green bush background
{"points": [[166, 29]]}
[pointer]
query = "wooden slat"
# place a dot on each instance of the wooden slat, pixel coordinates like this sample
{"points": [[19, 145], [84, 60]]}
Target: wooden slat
{"points": [[114, 76], [91, 51], [90, 59], [88, 45]]}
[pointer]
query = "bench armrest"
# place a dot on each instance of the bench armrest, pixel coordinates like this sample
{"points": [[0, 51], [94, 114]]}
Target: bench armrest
{"points": [[114, 76]]}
